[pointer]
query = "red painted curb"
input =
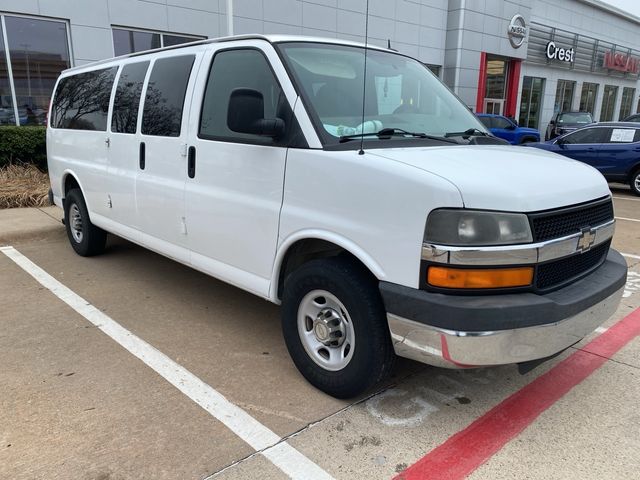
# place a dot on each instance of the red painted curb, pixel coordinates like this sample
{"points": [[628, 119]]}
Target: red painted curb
{"points": [[465, 451]]}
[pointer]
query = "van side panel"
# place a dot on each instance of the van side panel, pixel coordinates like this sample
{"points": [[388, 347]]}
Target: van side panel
{"points": [[357, 206], [77, 139]]}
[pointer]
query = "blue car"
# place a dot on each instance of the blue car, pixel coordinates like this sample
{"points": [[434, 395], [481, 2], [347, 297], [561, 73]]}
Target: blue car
{"points": [[613, 148], [508, 130]]}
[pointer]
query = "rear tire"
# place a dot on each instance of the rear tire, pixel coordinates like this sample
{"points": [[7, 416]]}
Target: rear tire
{"points": [[86, 239], [634, 182], [335, 326]]}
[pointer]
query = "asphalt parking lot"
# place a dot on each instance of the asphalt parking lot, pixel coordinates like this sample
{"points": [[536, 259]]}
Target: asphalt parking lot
{"points": [[129, 365]]}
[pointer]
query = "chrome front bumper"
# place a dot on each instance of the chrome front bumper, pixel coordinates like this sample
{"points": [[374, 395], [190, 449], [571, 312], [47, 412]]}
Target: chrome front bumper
{"points": [[455, 349], [458, 331]]}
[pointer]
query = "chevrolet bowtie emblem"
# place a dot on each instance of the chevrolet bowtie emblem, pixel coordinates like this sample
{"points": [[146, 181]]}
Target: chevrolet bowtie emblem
{"points": [[586, 240]]}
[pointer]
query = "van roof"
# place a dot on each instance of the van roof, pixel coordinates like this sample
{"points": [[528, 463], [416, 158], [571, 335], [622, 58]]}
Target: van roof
{"points": [[267, 38]]}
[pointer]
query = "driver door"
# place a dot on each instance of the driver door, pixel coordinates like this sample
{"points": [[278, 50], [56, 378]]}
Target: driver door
{"points": [[235, 184]]}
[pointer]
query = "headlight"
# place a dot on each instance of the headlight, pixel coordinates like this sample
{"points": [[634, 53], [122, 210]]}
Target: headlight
{"points": [[476, 228]]}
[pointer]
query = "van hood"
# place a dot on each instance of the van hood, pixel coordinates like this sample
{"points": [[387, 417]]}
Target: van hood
{"points": [[506, 178]]}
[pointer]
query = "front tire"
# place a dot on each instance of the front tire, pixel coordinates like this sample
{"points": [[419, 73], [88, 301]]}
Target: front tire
{"points": [[634, 182], [335, 327], [86, 239]]}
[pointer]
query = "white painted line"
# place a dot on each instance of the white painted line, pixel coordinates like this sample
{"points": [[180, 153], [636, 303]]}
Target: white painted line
{"points": [[625, 198], [262, 439], [601, 330], [637, 257], [628, 219]]}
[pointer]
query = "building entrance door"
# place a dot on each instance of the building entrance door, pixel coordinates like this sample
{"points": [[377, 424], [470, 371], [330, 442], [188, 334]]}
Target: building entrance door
{"points": [[498, 83], [494, 105], [496, 86]]}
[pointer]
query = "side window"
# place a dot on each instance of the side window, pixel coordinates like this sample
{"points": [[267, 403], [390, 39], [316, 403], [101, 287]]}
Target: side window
{"points": [[127, 100], [500, 122], [81, 101], [164, 100], [486, 121], [233, 69], [589, 135]]}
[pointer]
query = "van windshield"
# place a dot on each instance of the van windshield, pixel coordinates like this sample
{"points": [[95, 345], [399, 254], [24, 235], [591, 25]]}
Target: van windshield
{"points": [[401, 93]]}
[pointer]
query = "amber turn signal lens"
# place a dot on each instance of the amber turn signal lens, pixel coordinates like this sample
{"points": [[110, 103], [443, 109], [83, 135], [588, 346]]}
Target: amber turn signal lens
{"points": [[479, 278]]}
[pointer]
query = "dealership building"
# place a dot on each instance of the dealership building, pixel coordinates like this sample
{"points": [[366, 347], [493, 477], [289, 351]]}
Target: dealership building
{"points": [[521, 58]]}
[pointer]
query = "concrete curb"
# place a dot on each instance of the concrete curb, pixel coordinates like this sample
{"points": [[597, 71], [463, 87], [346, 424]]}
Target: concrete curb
{"points": [[19, 225]]}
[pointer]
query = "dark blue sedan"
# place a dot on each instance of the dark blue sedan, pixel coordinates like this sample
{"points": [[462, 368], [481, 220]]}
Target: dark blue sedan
{"points": [[507, 129], [613, 148]]}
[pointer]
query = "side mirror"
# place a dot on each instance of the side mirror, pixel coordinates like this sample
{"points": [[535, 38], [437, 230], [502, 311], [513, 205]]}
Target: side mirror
{"points": [[561, 142], [511, 126], [246, 114]]}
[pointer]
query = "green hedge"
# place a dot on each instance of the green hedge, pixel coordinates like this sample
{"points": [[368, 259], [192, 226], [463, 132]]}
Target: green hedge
{"points": [[23, 145]]}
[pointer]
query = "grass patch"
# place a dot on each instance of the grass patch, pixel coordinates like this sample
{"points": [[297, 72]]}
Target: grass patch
{"points": [[23, 186]]}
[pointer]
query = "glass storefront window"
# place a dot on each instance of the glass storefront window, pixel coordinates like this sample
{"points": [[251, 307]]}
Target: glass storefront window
{"points": [[7, 113], [169, 40], [435, 69], [627, 99], [131, 41], [564, 96], [608, 103], [588, 97], [530, 102], [38, 51]]}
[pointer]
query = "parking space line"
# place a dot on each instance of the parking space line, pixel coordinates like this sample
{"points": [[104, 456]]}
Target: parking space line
{"points": [[637, 257], [625, 198], [258, 436], [627, 219], [468, 449]]}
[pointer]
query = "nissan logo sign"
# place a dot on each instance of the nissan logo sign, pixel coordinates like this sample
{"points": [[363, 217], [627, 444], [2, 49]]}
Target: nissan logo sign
{"points": [[517, 31]]}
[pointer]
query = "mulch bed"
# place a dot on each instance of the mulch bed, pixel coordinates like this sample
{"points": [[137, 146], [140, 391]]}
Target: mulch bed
{"points": [[23, 186]]}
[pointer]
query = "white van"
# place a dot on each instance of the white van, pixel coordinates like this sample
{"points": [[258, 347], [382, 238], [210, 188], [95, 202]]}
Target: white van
{"points": [[400, 227]]}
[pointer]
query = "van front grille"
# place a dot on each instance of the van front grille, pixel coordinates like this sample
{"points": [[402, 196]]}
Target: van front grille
{"points": [[556, 273], [567, 221]]}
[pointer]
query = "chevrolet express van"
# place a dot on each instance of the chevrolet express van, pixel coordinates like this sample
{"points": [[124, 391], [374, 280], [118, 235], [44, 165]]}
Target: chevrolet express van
{"points": [[376, 209]]}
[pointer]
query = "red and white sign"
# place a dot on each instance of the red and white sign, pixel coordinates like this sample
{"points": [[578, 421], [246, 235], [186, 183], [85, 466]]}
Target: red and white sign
{"points": [[621, 62]]}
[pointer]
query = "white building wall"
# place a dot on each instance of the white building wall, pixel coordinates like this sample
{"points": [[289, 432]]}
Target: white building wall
{"points": [[416, 28]]}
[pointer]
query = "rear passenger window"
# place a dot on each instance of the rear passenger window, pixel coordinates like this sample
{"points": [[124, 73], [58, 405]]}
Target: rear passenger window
{"points": [[164, 100], [81, 101], [233, 69], [127, 101]]}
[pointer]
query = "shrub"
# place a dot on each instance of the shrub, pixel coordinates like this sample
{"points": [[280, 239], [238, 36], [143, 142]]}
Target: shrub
{"points": [[23, 145]]}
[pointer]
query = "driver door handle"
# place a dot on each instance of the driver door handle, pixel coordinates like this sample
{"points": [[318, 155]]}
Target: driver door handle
{"points": [[191, 162], [142, 155]]}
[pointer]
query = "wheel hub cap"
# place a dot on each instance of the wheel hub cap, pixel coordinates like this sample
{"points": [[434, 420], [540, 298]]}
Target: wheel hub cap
{"points": [[75, 223], [328, 328]]}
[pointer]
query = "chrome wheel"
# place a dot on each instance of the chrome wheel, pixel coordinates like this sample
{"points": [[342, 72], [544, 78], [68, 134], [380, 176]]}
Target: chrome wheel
{"points": [[75, 223], [636, 182], [326, 330]]}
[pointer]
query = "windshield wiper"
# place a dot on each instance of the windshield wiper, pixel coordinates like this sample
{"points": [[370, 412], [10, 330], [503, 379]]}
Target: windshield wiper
{"points": [[467, 133], [395, 132]]}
